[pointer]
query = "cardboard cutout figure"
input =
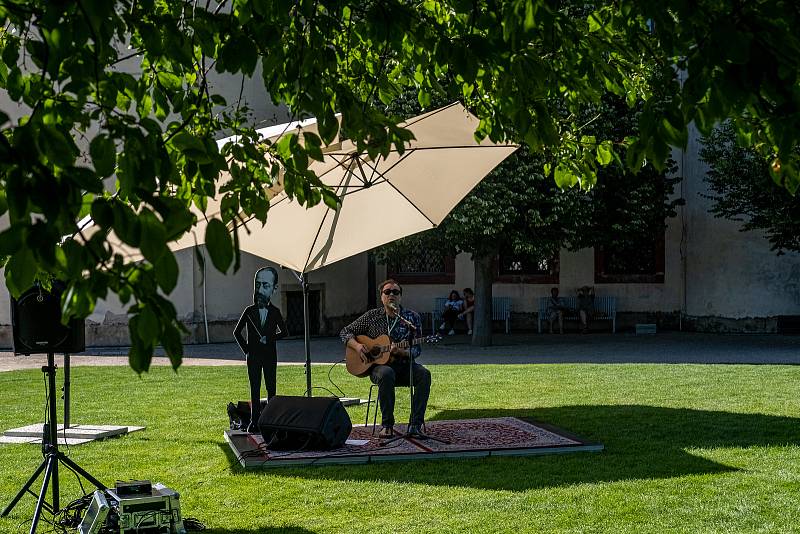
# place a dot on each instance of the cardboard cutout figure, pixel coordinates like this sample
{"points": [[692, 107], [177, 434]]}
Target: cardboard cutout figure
{"points": [[263, 324]]}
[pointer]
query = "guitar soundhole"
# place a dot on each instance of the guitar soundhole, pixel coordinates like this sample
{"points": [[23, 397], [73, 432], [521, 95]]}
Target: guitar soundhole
{"points": [[374, 351]]}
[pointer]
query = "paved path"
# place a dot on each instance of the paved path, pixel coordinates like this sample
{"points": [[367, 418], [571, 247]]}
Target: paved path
{"points": [[670, 347]]}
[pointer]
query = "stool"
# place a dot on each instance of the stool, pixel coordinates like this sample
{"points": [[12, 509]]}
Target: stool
{"points": [[369, 403], [377, 405]]}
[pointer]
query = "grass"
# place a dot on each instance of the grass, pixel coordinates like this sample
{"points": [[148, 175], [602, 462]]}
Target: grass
{"points": [[689, 448]]}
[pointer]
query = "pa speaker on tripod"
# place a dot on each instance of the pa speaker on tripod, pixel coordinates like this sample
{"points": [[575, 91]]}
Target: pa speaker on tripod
{"points": [[36, 323], [304, 423]]}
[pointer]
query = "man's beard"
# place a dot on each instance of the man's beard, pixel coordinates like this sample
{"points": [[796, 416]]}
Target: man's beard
{"points": [[261, 300]]}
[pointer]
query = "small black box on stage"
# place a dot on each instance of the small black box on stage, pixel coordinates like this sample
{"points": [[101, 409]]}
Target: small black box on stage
{"points": [[133, 487]]}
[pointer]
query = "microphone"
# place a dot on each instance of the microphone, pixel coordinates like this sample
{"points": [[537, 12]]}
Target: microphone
{"points": [[393, 306]]}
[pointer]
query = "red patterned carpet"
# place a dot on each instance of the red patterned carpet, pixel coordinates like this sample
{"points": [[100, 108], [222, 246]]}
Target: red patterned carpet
{"points": [[507, 436]]}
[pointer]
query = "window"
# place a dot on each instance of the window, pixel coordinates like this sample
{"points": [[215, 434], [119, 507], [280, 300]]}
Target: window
{"points": [[423, 266], [630, 262], [524, 268]]}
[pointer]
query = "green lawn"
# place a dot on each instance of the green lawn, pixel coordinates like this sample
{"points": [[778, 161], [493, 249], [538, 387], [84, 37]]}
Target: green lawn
{"points": [[689, 448]]}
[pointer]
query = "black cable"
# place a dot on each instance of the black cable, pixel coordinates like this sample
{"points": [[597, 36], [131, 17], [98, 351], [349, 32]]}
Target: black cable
{"points": [[80, 482], [46, 411], [322, 388], [348, 449], [272, 456], [331, 380], [70, 516], [64, 434]]}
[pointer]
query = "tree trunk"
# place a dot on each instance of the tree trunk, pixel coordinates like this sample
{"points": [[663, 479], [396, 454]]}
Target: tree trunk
{"points": [[482, 328]]}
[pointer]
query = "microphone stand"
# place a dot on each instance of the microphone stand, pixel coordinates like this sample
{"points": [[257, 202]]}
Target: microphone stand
{"points": [[419, 434]]}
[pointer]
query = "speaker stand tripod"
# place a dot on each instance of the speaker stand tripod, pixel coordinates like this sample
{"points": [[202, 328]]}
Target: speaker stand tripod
{"points": [[52, 456]]}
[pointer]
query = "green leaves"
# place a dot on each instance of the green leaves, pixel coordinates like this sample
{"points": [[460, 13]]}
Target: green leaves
{"points": [[153, 237], [220, 245], [529, 70], [604, 152], [564, 177], [743, 189], [57, 147], [104, 155], [20, 271], [148, 326], [328, 126], [191, 146], [166, 269], [3, 203]]}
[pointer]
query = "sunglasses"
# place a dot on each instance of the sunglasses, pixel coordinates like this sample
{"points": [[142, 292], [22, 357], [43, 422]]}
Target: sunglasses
{"points": [[394, 292]]}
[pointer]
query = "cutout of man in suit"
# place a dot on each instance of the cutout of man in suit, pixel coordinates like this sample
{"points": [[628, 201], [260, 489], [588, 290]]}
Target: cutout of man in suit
{"points": [[264, 325]]}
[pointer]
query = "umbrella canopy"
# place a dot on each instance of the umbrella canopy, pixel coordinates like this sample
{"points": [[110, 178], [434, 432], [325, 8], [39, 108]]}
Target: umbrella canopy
{"points": [[196, 235], [380, 200]]}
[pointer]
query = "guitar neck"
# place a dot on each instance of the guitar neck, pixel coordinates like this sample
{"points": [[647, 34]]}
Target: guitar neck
{"points": [[406, 343]]}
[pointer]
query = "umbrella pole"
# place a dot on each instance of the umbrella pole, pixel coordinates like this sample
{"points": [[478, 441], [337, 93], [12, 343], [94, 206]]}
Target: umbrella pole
{"points": [[307, 332]]}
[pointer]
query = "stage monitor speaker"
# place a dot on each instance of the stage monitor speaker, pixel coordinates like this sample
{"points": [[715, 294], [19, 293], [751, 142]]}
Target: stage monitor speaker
{"points": [[304, 423], [36, 323]]}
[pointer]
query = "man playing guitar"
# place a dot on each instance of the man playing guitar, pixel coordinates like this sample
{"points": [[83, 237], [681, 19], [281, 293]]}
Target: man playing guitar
{"points": [[393, 320]]}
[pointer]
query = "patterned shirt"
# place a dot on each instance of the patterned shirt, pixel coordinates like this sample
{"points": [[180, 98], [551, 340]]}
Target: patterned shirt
{"points": [[375, 323]]}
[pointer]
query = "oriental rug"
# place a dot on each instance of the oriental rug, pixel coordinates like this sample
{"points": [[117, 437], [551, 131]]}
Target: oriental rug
{"points": [[460, 438]]}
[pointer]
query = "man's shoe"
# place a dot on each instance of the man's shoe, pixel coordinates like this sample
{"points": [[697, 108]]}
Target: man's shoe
{"points": [[451, 332], [386, 432], [469, 332], [413, 430]]}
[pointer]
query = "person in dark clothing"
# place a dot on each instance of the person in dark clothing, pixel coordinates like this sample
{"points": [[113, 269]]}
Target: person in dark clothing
{"points": [[585, 307], [264, 325], [469, 309], [386, 320], [453, 307]]}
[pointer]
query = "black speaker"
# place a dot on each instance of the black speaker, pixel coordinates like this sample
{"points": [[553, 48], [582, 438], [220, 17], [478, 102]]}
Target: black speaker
{"points": [[36, 323], [304, 423]]}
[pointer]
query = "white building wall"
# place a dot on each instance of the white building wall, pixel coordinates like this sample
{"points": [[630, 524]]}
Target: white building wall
{"points": [[729, 273]]}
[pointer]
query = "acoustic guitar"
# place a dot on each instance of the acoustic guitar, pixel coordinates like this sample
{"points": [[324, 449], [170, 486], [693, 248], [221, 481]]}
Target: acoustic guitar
{"points": [[380, 348]]}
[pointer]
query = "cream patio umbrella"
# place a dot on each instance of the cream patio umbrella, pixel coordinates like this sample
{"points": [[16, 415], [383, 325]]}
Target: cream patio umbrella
{"points": [[380, 200], [196, 235]]}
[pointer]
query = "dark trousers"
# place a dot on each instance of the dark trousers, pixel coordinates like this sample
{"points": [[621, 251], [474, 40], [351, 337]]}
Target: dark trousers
{"points": [[256, 364], [450, 317], [388, 377]]}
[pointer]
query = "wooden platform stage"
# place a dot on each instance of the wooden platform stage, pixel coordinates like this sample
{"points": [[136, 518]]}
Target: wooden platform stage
{"points": [[464, 438]]}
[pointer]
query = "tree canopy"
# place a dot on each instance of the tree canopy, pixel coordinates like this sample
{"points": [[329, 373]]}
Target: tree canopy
{"points": [[518, 211], [742, 190], [118, 92]]}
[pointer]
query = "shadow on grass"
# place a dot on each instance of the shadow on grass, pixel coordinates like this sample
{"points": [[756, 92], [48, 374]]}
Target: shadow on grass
{"points": [[640, 442], [261, 530]]}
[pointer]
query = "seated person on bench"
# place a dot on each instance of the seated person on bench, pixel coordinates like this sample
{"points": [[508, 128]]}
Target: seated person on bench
{"points": [[555, 310], [452, 308], [585, 307]]}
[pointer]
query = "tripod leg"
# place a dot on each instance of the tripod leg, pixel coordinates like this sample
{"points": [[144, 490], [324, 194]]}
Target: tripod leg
{"points": [[56, 493], [48, 472], [81, 471], [24, 489]]}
